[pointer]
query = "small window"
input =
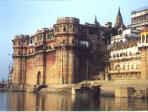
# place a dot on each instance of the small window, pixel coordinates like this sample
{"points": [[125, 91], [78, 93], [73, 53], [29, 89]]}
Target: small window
{"points": [[19, 53], [19, 43], [126, 54], [64, 29], [57, 29], [73, 41], [143, 38], [63, 41]]}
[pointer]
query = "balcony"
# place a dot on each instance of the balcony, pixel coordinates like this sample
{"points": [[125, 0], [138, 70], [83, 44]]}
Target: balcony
{"points": [[142, 45], [124, 71], [138, 56]]}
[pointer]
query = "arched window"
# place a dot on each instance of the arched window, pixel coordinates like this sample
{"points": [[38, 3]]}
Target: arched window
{"points": [[57, 29], [64, 29]]}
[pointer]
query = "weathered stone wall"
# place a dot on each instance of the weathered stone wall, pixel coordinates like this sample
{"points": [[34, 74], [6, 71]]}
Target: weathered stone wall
{"points": [[35, 67], [51, 70], [17, 71], [144, 63], [67, 66]]}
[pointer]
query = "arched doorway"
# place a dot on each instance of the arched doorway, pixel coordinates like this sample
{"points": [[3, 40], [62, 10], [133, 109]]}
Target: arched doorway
{"points": [[38, 78]]}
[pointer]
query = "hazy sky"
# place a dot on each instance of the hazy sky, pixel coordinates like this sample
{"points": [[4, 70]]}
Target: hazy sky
{"points": [[25, 17]]}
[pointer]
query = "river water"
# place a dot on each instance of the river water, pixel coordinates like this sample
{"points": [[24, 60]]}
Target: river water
{"points": [[14, 101]]}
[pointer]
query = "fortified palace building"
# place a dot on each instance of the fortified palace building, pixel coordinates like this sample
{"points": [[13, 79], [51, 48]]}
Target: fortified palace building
{"points": [[70, 52]]}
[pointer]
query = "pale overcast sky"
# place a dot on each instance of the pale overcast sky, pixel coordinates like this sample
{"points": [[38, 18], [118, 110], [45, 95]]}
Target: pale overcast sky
{"points": [[25, 17]]}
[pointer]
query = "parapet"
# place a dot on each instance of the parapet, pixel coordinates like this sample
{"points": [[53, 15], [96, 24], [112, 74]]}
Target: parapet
{"points": [[21, 36], [68, 20]]}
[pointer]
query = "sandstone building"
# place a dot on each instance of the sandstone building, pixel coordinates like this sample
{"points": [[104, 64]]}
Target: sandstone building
{"points": [[127, 50], [139, 18], [67, 53], [70, 52]]}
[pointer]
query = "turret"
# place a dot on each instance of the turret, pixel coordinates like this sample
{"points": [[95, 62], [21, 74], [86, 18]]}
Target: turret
{"points": [[67, 32], [18, 57]]}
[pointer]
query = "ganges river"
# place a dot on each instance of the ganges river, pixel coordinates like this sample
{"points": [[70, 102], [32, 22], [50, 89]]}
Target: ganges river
{"points": [[19, 101]]}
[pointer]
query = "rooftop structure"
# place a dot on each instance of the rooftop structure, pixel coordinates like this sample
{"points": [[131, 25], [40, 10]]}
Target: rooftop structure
{"points": [[139, 18]]}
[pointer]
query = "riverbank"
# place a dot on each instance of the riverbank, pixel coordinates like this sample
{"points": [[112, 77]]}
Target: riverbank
{"points": [[107, 88]]}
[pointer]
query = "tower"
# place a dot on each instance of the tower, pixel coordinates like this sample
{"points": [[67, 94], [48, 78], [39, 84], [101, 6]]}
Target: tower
{"points": [[119, 21], [143, 46], [67, 37], [19, 59], [96, 22]]}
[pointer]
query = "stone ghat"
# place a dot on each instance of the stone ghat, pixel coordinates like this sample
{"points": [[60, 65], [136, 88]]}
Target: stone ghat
{"points": [[131, 92], [115, 88]]}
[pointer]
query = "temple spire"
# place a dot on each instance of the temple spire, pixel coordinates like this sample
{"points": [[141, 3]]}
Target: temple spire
{"points": [[119, 21], [96, 22]]}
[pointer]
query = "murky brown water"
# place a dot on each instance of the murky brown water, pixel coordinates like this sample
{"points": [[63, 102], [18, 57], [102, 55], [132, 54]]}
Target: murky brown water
{"points": [[29, 101]]}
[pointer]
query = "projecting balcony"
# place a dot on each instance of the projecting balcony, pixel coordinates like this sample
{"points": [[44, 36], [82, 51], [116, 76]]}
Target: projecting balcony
{"points": [[142, 45], [125, 57], [124, 71]]}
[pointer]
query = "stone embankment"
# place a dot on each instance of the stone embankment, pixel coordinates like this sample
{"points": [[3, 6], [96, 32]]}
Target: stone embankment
{"points": [[140, 93], [124, 88]]}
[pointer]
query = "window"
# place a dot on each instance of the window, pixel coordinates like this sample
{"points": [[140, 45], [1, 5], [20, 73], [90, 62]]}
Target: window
{"points": [[64, 28], [19, 43], [73, 41], [19, 53], [63, 41], [57, 29], [73, 29], [143, 38]]}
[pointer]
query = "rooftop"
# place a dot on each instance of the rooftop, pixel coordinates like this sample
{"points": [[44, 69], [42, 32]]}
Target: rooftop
{"points": [[140, 9]]}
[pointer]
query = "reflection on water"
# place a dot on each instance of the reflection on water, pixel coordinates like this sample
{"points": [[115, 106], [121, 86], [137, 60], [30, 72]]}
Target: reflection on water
{"points": [[29, 101]]}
